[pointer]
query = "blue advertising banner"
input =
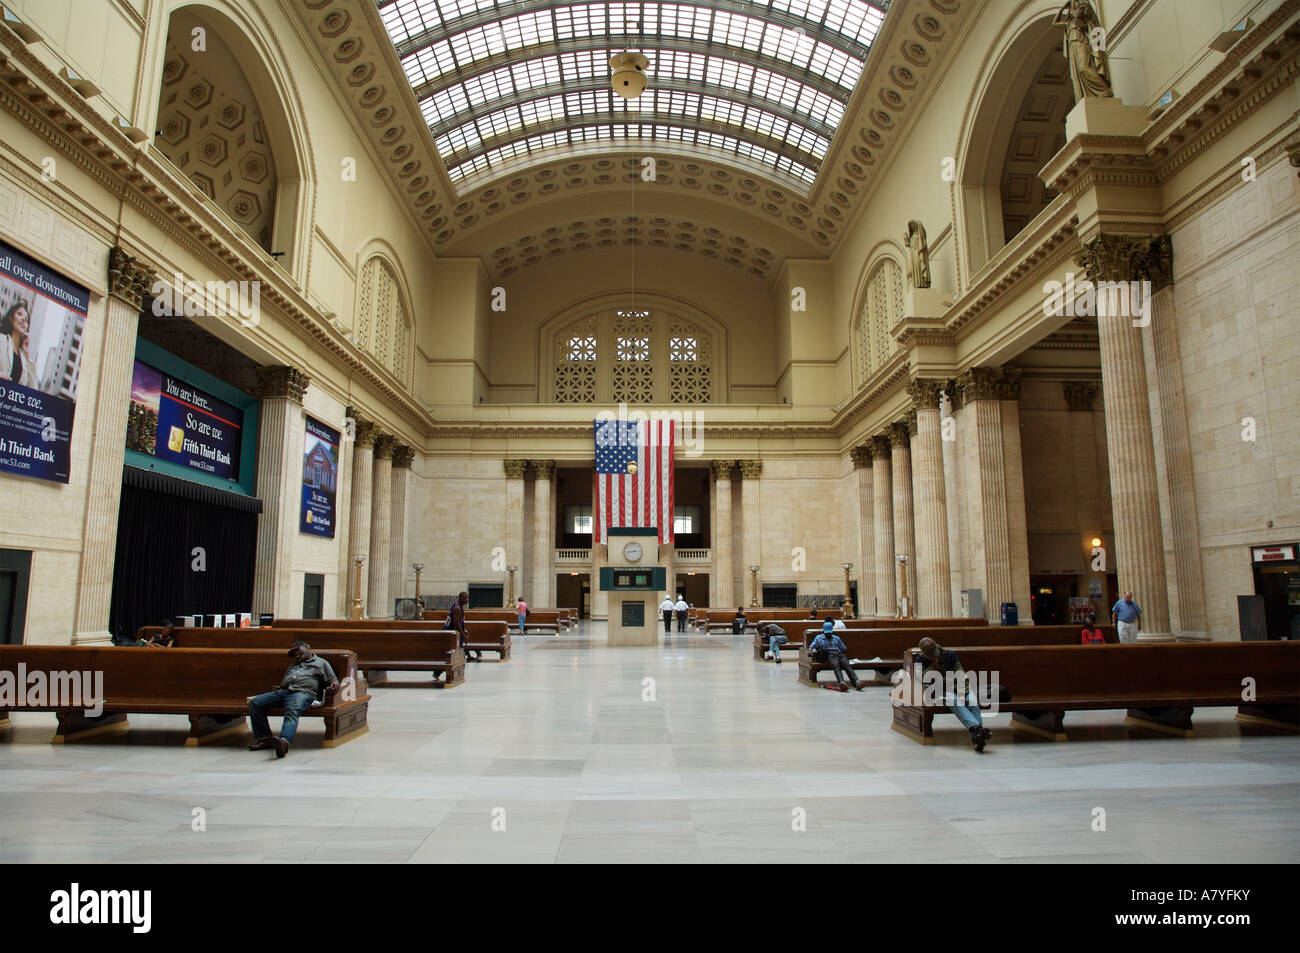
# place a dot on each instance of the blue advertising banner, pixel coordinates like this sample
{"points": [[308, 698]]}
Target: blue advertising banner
{"points": [[320, 467], [172, 420], [42, 317]]}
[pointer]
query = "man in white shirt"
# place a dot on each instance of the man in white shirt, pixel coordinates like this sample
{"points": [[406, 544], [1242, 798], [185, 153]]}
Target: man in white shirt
{"points": [[681, 608], [839, 626], [667, 607]]}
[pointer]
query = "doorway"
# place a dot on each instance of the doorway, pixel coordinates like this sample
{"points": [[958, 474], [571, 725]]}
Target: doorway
{"points": [[313, 595], [15, 574], [486, 595], [573, 591], [694, 588], [1279, 586], [1049, 598]]}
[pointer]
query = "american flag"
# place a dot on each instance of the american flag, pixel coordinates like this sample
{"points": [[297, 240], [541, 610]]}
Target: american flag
{"points": [[634, 475]]}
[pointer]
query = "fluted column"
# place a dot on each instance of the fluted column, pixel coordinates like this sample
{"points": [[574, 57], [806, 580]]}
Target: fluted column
{"points": [[724, 570], [1134, 493], [954, 483], [515, 470], [882, 494], [933, 569], [381, 528], [279, 476], [900, 439], [128, 281], [752, 522], [403, 457], [543, 535], [864, 497], [363, 459]]}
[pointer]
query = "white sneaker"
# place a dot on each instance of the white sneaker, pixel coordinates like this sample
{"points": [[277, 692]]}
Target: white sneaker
{"points": [[767, 656]]}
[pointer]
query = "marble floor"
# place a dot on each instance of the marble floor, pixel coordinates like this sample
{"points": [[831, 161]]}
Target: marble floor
{"points": [[568, 754]]}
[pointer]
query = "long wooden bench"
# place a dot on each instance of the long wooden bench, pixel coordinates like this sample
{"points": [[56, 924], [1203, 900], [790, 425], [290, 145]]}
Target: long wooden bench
{"points": [[378, 651], [795, 636], [212, 686], [722, 619], [1159, 686], [888, 645], [483, 636], [540, 620]]}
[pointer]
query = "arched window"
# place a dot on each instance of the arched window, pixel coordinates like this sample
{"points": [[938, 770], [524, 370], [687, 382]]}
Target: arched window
{"points": [[382, 325], [882, 307], [635, 356]]}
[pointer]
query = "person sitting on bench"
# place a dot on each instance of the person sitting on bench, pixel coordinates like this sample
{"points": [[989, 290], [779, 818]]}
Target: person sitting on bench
{"points": [[935, 656], [163, 639], [305, 683], [835, 652], [1092, 635], [839, 626], [739, 622], [775, 639]]}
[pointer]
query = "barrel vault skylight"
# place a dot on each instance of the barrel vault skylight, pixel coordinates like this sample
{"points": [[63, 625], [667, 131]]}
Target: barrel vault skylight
{"points": [[521, 81]]}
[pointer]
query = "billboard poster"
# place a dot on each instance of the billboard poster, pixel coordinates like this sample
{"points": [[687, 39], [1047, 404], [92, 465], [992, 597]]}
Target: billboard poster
{"points": [[320, 467], [42, 317], [172, 420]]}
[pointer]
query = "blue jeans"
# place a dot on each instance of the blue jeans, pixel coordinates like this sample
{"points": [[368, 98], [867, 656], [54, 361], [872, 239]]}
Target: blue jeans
{"points": [[774, 643], [969, 714], [522, 618], [294, 704]]}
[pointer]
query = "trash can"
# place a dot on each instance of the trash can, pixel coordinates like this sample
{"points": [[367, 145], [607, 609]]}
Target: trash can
{"points": [[1010, 615]]}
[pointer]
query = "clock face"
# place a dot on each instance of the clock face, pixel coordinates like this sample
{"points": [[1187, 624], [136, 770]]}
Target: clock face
{"points": [[632, 552]]}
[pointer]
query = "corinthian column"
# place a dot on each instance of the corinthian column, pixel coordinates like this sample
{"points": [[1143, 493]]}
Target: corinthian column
{"points": [[543, 535], [752, 525], [381, 528], [363, 458], [1134, 492], [724, 570], [900, 439], [883, 498], [129, 279], [279, 475], [403, 457], [863, 494], [933, 570], [515, 470]]}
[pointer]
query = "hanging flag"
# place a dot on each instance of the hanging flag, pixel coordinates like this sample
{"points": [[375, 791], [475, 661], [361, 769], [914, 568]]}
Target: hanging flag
{"points": [[634, 476]]}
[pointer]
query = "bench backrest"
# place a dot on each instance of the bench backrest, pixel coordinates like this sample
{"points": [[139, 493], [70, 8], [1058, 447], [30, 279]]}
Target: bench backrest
{"points": [[890, 644], [131, 672], [508, 616], [475, 627], [369, 645], [714, 616], [1196, 670]]}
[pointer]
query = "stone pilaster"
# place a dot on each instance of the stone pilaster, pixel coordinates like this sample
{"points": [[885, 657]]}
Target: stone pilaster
{"points": [[128, 281], [930, 501], [882, 494], [543, 591], [514, 542], [1134, 491], [751, 472], [403, 457], [279, 475], [900, 440], [363, 460], [724, 567], [381, 528], [865, 516]]}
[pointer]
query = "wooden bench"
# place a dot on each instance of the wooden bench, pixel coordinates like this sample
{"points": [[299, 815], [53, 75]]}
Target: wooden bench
{"points": [[1158, 685], [378, 650], [722, 619], [888, 645], [483, 636], [541, 620], [796, 637], [211, 686]]}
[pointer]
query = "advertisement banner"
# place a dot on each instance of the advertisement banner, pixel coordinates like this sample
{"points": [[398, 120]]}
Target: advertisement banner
{"points": [[320, 467], [42, 316], [172, 420]]}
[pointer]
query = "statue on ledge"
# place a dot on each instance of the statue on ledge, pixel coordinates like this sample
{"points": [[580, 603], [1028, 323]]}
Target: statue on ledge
{"points": [[1087, 58], [918, 255]]}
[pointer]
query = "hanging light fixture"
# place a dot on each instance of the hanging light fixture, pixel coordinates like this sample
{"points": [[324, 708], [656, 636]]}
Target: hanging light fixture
{"points": [[628, 78]]}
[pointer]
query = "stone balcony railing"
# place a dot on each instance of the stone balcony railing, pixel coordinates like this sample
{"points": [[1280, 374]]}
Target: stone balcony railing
{"points": [[693, 555], [573, 555]]}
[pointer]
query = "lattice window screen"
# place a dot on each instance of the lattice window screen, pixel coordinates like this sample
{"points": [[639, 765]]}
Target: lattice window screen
{"points": [[575, 363], [690, 364], [385, 298], [401, 347], [382, 325], [366, 301], [632, 379]]}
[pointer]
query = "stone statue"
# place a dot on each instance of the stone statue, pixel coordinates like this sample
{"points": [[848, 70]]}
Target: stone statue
{"points": [[918, 256], [1087, 62]]}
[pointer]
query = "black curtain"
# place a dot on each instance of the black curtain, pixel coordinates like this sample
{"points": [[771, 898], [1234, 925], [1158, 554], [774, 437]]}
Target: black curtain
{"points": [[161, 522]]}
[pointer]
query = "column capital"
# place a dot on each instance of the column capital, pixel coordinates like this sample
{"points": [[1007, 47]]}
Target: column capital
{"points": [[543, 469], [924, 392], [861, 456], [899, 438], [910, 420], [1079, 395], [515, 469], [384, 443], [989, 383], [1129, 258], [403, 456], [751, 469], [366, 433], [879, 446], [129, 278], [281, 381], [953, 393], [722, 469]]}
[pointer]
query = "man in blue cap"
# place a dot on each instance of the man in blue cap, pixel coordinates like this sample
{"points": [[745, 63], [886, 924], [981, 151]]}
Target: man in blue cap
{"points": [[836, 653]]}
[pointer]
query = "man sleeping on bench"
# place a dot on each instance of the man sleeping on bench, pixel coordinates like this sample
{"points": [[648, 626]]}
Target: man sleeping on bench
{"points": [[305, 683]]}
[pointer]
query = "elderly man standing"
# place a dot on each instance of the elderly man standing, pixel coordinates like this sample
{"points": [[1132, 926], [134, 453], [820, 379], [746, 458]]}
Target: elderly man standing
{"points": [[306, 682], [1127, 616]]}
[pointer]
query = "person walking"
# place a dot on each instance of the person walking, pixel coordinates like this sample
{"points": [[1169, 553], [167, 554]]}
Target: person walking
{"points": [[521, 607], [1127, 616], [681, 608], [668, 607]]}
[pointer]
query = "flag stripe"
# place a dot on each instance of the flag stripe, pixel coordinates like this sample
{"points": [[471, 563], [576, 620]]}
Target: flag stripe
{"points": [[640, 498]]}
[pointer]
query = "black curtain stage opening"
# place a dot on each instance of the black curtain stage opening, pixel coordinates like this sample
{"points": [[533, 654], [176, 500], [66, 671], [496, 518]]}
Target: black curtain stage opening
{"points": [[162, 521]]}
